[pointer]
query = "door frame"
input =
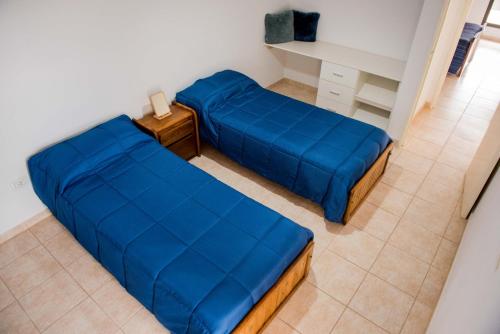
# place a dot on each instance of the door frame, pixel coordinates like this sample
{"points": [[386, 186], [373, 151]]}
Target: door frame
{"points": [[487, 13]]}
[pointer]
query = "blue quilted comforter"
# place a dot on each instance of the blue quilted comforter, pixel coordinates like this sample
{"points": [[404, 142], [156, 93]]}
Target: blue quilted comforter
{"points": [[195, 252], [469, 33], [311, 151]]}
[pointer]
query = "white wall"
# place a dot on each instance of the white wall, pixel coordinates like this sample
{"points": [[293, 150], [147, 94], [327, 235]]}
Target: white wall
{"points": [[470, 300], [477, 11], [67, 65], [302, 69], [416, 66], [384, 27]]}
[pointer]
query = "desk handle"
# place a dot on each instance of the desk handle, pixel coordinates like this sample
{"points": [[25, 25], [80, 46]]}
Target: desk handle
{"points": [[334, 93], [338, 75]]}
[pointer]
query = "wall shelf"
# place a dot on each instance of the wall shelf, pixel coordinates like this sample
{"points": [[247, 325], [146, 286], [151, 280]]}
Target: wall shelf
{"points": [[378, 92], [372, 115], [364, 61]]}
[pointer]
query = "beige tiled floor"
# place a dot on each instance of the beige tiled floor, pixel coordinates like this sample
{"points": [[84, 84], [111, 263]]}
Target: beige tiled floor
{"points": [[382, 273]]}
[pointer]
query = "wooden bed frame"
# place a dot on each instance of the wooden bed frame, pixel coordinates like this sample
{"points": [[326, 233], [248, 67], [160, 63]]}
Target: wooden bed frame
{"points": [[366, 183], [263, 311], [363, 186]]}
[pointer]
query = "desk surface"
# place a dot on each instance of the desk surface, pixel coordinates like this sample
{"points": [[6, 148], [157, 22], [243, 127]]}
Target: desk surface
{"points": [[364, 61]]}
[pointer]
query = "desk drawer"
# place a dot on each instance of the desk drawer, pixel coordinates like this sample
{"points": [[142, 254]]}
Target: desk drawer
{"points": [[340, 74], [335, 106], [336, 92], [172, 135]]}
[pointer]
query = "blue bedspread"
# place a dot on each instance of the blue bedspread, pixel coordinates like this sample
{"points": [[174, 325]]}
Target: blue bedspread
{"points": [[468, 35], [311, 151], [195, 252]]}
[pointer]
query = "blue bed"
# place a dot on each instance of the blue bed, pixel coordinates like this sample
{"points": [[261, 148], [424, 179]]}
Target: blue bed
{"points": [[195, 252], [311, 151], [465, 47]]}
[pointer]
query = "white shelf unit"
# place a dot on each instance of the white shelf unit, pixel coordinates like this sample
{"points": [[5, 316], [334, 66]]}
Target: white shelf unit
{"points": [[368, 62], [372, 115], [378, 92], [355, 83]]}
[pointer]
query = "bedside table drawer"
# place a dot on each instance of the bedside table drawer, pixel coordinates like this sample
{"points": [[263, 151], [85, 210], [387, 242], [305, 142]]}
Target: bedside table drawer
{"points": [[172, 135], [177, 132], [185, 148]]}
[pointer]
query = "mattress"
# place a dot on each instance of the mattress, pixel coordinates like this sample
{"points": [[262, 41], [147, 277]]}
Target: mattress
{"points": [[195, 252], [311, 151]]}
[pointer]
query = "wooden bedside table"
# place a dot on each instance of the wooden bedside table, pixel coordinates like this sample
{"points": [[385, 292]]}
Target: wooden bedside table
{"points": [[177, 132]]}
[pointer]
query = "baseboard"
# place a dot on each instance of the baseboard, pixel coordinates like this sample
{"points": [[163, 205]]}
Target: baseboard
{"points": [[24, 225]]}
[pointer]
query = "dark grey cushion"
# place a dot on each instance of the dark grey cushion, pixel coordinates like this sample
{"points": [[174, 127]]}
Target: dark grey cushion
{"points": [[279, 27]]}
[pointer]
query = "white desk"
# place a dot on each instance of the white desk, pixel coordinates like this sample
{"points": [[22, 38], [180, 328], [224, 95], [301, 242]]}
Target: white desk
{"points": [[352, 82]]}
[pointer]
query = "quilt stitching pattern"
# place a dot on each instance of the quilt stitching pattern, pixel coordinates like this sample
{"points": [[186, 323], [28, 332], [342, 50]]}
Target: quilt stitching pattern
{"points": [[113, 178]]}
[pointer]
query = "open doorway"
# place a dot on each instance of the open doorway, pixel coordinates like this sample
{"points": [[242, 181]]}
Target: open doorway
{"points": [[492, 15], [455, 111]]}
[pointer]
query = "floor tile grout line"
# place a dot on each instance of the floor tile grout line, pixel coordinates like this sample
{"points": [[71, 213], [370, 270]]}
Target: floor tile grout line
{"points": [[375, 260], [133, 314], [89, 295], [107, 313], [11, 294], [63, 268], [288, 325], [338, 319], [415, 299], [434, 163], [418, 293], [335, 298], [392, 284], [395, 187], [110, 277], [16, 299], [47, 278], [72, 261], [18, 302], [441, 239], [361, 316], [452, 208], [388, 242], [441, 151], [449, 224], [52, 237], [63, 315], [22, 254]]}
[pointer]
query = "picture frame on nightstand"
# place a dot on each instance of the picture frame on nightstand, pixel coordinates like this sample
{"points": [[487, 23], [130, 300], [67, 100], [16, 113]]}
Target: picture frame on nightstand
{"points": [[160, 105]]}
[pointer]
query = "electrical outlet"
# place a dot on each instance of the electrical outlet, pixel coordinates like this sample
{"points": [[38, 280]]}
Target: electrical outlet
{"points": [[19, 183]]}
